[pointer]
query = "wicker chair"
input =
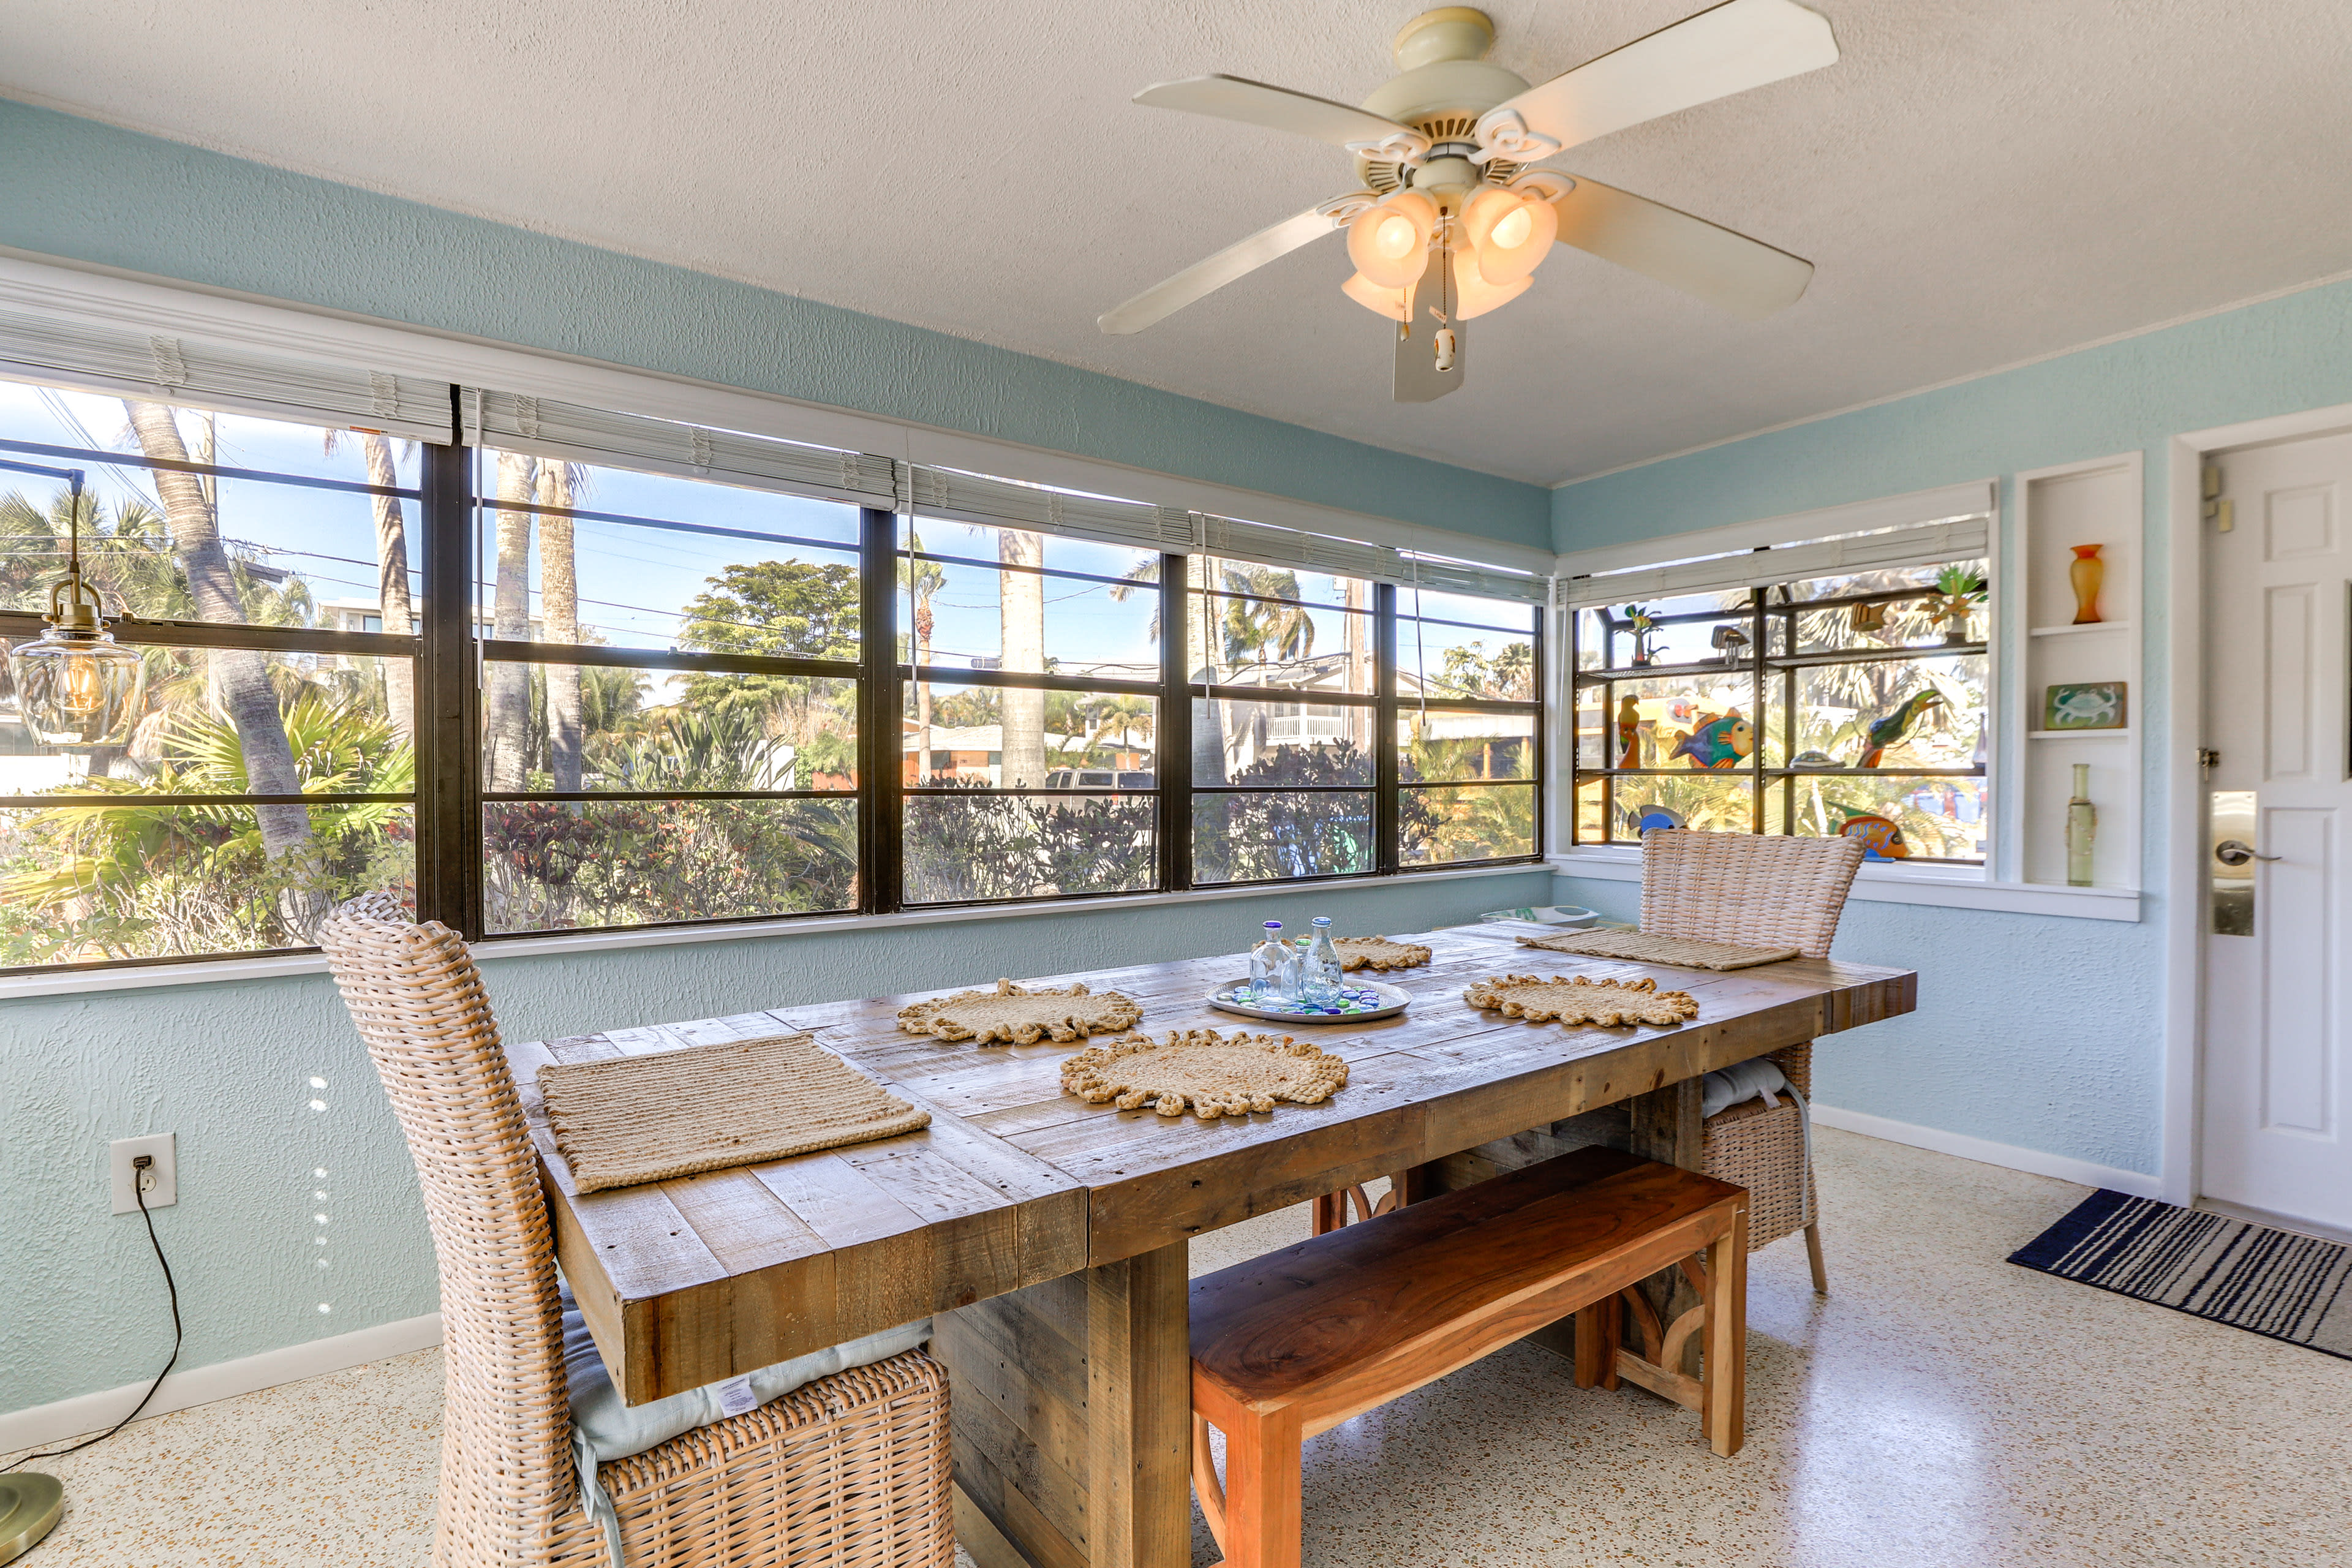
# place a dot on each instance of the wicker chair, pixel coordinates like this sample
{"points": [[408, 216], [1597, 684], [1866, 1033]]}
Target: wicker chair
{"points": [[1758, 891], [851, 1469]]}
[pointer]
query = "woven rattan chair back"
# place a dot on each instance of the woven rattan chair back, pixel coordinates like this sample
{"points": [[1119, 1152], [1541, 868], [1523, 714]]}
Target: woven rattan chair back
{"points": [[1754, 890], [506, 1476]]}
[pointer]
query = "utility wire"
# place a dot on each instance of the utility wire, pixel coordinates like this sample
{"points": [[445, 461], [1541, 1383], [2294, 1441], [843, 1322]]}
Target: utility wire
{"points": [[140, 1193]]}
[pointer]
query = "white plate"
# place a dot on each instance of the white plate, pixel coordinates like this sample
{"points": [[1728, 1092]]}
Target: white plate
{"points": [[1392, 999]]}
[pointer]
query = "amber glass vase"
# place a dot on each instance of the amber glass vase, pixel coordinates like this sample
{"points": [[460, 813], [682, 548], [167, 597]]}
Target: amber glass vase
{"points": [[2085, 574]]}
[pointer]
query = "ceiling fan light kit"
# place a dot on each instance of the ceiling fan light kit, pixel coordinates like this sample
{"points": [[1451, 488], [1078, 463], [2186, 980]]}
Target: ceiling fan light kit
{"points": [[1451, 222]]}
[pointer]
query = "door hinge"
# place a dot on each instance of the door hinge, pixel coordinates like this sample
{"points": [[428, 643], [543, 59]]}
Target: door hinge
{"points": [[2221, 513], [2207, 758]]}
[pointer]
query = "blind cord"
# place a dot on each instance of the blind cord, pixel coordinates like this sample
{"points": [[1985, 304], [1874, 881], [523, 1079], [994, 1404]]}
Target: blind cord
{"points": [[139, 1192]]}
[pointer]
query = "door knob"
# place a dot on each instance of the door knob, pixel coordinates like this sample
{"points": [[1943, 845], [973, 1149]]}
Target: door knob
{"points": [[2237, 852]]}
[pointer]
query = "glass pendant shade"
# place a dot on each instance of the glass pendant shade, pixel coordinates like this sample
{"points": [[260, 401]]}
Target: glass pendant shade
{"points": [[77, 688], [1389, 241], [1389, 302], [1473, 296], [1509, 233]]}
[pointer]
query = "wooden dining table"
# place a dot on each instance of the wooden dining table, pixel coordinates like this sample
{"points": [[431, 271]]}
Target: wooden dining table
{"points": [[1046, 1237]]}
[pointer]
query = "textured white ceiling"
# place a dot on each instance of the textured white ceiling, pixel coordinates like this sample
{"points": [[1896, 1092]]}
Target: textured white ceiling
{"points": [[1978, 180]]}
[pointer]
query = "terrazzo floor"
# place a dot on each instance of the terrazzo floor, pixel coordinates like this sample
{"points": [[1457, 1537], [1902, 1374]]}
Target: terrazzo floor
{"points": [[1942, 1409]]}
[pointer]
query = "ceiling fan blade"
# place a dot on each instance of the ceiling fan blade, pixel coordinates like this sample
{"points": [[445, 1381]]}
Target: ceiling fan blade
{"points": [[1733, 47], [1170, 295], [1277, 107], [1743, 276]]}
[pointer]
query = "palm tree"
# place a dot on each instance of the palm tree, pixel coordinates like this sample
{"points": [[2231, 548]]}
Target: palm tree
{"points": [[394, 606], [559, 603], [922, 580], [509, 718], [1021, 611], [1208, 727], [240, 676]]}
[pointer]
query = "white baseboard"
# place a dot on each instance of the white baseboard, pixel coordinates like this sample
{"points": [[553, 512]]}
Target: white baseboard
{"points": [[1985, 1151], [46, 1424]]}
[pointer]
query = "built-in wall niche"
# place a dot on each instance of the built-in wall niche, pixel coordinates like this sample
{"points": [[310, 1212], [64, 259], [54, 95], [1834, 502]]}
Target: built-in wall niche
{"points": [[2058, 511]]}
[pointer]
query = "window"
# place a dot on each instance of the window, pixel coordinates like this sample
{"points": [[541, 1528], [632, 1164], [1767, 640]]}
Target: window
{"points": [[669, 698], [1030, 716], [272, 771], [576, 670], [1854, 704], [1284, 673], [1468, 729]]}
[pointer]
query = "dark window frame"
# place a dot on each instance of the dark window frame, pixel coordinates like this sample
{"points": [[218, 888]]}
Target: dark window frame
{"points": [[452, 654], [1773, 678]]}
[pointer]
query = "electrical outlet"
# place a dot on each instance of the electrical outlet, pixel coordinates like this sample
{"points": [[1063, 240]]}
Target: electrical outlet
{"points": [[163, 1189]]}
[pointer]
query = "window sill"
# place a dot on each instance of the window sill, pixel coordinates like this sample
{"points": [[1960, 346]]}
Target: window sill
{"points": [[1876, 883], [215, 972]]}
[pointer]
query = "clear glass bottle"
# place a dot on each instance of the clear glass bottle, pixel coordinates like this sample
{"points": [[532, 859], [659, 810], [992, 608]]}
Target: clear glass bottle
{"points": [[1274, 966], [1319, 968]]}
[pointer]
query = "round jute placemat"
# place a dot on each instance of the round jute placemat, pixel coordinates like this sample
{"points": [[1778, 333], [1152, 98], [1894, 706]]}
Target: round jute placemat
{"points": [[1379, 952], [1214, 1075], [1582, 1001], [1013, 1015]]}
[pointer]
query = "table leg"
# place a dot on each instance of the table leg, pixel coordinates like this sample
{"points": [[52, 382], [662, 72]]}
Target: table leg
{"points": [[1139, 1411], [1667, 1127], [1071, 1418]]}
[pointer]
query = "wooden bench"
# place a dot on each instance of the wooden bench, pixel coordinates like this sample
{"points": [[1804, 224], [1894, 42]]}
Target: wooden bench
{"points": [[1297, 1341]]}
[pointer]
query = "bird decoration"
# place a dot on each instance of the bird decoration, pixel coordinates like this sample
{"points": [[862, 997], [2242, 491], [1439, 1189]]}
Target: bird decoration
{"points": [[1719, 742], [1629, 733], [1643, 625], [1884, 732], [1882, 839]]}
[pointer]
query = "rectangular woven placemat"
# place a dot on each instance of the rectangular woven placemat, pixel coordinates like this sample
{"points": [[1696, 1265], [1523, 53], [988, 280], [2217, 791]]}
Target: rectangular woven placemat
{"points": [[1643, 949], [627, 1119]]}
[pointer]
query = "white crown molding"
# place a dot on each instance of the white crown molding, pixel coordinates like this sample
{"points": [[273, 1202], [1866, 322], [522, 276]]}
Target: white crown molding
{"points": [[52, 285]]}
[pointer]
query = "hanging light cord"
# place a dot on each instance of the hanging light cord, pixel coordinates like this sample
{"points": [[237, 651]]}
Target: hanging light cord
{"points": [[171, 1289]]}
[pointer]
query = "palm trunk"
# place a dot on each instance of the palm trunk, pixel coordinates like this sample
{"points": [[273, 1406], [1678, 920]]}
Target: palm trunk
{"points": [[1208, 719], [399, 616], [1359, 720], [1022, 609], [240, 676], [559, 603], [924, 624], [510, 683]]}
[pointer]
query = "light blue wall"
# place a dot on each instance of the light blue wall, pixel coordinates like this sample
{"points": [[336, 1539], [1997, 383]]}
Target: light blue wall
{"points": [[74, 188], [2036, 1032], [228, 1067]]}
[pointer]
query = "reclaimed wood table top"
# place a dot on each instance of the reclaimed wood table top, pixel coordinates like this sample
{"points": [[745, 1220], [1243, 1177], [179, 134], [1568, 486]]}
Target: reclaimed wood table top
{"points": [[687, 1282]]}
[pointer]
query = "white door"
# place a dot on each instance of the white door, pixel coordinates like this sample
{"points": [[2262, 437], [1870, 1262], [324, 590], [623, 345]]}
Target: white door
{"points": [[2278, 844]]}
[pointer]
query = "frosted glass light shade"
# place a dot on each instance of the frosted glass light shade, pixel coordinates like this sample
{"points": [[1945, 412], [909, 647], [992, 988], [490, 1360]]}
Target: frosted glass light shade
{"points": [[1473, 296], [1509, 233], [1389, 241], [77, 688], [1389, 302]]}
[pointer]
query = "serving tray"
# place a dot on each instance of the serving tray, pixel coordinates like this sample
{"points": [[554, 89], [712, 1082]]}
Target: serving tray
{"points": [[1362, 1000]]}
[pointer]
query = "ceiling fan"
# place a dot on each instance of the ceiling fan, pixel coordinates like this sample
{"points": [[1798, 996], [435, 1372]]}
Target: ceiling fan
{"points": [[1454, 217]]}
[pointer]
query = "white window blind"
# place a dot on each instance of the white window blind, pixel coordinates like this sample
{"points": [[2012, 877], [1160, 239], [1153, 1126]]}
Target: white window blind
{"points": [[121, 363], [544, 428], [1926, 545]]}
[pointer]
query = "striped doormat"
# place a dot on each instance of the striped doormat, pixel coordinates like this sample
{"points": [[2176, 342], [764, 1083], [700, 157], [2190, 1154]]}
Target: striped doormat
{"points": [[2270, 1282]]}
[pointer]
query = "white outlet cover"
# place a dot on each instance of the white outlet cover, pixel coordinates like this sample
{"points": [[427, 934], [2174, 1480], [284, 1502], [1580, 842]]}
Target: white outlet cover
{"points": [[122, 1150]]}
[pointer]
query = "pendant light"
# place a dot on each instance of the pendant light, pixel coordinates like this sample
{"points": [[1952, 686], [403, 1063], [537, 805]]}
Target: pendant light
{"points": [[77, 688]]}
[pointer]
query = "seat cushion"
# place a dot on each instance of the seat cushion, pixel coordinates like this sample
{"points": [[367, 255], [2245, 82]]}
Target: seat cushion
{"points": [[612, 1430]]}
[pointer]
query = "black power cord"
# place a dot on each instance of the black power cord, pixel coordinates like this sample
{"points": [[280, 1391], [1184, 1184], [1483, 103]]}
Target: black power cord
{"points": [[140, 1166]]}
